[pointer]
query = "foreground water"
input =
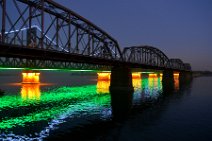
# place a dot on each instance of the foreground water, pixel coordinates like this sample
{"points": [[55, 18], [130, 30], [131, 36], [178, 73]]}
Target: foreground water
{"points": [[78, 107]]}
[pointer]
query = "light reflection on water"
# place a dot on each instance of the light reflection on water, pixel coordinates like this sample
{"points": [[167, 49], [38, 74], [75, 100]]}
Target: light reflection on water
{"points": [[48, 109], [147, 89], [103, 86], [176, 81], [30, 91]]}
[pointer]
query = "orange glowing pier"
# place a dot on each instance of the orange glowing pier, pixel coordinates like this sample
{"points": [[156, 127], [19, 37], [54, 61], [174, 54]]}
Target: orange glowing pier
{"points": [[30, 77]]}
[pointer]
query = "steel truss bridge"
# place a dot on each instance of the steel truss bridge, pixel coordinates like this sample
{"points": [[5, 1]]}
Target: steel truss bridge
{"points": [[44, 34]]}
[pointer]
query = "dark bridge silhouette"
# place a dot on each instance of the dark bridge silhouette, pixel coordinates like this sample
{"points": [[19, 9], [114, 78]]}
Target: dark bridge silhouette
{"points": [[45, 34], [42, 34]]}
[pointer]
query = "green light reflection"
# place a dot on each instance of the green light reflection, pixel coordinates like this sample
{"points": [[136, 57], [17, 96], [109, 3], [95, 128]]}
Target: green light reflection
{"points": [[64, 101], [51, 105], [150, 89]]}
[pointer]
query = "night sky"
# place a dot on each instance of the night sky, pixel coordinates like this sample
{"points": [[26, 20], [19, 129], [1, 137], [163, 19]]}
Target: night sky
{"points": [[180, 28]]}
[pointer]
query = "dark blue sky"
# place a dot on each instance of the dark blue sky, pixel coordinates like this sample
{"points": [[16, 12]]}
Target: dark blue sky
{"points": [[180, 28]]}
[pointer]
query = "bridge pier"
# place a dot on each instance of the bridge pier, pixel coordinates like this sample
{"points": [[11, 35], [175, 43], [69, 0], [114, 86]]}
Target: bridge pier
{"points": [[121, 90], [184, 78], [30, 77], [168, 81]]}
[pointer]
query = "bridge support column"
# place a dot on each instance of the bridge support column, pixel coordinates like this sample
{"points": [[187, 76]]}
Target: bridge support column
{"points": [[30, 77], [184, 78], [168, 81], [121, 91]]}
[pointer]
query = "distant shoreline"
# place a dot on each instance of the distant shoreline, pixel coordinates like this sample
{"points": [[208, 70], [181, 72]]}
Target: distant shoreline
{"points": [[202, 73]]}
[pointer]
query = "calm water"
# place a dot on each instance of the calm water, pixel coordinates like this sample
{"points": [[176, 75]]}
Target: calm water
{"points": [[78, 107]]}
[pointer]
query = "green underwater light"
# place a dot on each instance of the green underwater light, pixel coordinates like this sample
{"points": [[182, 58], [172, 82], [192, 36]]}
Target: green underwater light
{"points": [[62, 100]]}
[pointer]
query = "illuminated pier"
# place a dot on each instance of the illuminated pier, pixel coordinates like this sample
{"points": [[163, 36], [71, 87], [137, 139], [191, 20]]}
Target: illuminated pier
{"points": [[29, 77], [103, 76]]}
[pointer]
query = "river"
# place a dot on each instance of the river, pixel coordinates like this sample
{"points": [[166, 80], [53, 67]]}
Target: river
{"points": [[77, 106]]}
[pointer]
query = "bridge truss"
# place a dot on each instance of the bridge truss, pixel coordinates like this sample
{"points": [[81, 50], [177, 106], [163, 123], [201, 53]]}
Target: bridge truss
{"points": [[45, 34], [48, 26], [145, 55], [11, 62], [148, 55], [178, 64]]}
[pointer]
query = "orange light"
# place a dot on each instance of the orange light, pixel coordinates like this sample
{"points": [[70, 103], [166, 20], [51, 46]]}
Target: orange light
{"points": [[153, 75], [136, 75], [136, 83], [176, 81], [103, 76], [30, 77], [30, 91], [103, 86], [161, 76], [176, 74], [153, 82]]}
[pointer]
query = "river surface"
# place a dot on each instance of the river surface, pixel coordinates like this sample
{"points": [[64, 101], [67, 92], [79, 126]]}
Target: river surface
{"points": [[77, 106]]}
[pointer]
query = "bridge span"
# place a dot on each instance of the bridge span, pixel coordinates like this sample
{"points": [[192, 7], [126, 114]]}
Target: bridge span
{"points": [[42, 34]]}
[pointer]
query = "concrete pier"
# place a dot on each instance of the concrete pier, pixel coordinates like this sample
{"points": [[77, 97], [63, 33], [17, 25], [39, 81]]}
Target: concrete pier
{"points": [[121, 91], [168, 81], [121, 78], [185, 78]]}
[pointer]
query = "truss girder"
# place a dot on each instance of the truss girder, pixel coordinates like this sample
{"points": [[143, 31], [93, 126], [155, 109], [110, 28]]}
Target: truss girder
{"points": [[12, 62], [47, 25], [152, 56], [44, 25], [178, 64], [145, 55]]}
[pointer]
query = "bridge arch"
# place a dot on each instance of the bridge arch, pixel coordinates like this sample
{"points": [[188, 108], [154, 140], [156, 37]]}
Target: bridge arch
{"points": [[145, 55], [176, 63]]}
